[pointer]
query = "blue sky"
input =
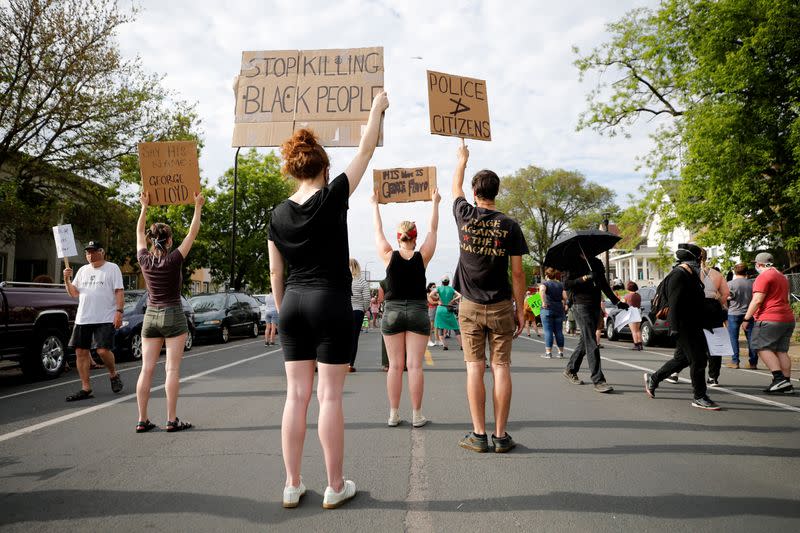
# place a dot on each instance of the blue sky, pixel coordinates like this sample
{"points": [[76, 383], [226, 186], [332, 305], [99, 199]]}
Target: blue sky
{"points": [[523, 49]]}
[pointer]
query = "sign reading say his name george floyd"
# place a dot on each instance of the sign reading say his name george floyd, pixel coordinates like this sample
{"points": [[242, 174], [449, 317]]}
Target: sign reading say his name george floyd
{"points": [[170, 172], [328, 91], [395, 185], [458, 106]]}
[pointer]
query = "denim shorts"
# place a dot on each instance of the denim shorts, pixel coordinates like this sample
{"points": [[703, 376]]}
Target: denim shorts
{"points": [[164, 322], [400, 316], [271, 317]]}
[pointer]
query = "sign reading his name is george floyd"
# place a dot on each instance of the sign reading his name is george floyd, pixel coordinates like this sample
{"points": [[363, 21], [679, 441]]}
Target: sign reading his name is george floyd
{"points": [[458, 106], [396, 185], [328, 91], [170, 172]]}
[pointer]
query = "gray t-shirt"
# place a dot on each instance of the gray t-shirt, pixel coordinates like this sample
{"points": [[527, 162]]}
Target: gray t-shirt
{"points": [[741, 294]]}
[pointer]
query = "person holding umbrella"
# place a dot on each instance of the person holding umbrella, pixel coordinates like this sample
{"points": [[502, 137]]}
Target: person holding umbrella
{"points": [[585, 278]]}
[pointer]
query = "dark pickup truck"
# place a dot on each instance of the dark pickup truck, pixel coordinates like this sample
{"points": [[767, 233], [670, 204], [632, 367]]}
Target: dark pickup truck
{"points": [[36, 320]]}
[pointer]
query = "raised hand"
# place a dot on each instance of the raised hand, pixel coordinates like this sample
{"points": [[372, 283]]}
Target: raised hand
{"points": [[144, 199], [381, 102], [199, 199], [435, 196], [463, 153]]}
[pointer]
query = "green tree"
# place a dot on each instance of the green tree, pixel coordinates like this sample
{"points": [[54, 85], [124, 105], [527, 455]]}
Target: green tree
{"points": [[260, 187], [546, 203], [725, 73]]}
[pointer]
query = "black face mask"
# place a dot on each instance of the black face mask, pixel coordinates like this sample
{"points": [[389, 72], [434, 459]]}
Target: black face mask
{"points": [[685, 257]]}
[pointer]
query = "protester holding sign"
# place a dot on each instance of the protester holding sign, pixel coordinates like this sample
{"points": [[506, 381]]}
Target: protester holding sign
{"points": [[405, 325], [554, 305], [164, 320], [533, 308], [308, 234]]}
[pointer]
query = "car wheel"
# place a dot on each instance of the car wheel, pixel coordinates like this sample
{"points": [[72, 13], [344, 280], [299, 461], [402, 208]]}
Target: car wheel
{"points": [[254, 333], [648, 336], [611, 333], [189, 341], [46, 357], [224, 334], [136, 346]]}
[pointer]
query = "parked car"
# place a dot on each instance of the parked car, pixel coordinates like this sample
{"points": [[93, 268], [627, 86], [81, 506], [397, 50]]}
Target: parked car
{"points": [[652, 332], [36, 321], [262, 307], [128, 338], [224, 314]]}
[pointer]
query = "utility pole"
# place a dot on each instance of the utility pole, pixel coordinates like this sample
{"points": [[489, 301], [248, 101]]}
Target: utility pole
{"points": [[605, 228]]}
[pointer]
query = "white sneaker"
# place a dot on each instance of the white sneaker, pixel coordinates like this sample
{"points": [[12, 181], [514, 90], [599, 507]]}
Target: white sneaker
{"points": [[431, 344], [418, 421], [291, 495], [394, 419], [333, 499]]}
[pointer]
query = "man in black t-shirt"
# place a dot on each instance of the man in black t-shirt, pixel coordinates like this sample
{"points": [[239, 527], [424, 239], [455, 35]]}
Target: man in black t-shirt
{"points": [[487, 240]]}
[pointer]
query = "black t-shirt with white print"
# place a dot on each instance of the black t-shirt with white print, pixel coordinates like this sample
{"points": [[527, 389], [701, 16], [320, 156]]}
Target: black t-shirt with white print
{"points": [[486, 240]]}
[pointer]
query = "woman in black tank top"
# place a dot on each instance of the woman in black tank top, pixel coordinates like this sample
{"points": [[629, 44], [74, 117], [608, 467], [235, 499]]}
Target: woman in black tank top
{"points": [[405, 325]]}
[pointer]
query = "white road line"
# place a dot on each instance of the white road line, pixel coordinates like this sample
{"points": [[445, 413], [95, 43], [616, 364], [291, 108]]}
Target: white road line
{"points": [[120, 371], [765, 401], [70, 416], [418, 516]]}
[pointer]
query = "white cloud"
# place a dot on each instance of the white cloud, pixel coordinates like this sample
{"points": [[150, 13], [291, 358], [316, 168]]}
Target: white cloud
{"points": [[522, 49]]}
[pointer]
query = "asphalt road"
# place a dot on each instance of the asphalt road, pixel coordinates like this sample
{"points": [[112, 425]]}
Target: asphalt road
{"points": [[585, 461]]}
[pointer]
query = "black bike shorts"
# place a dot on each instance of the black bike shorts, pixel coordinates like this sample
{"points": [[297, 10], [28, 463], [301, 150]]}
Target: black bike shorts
{"points": [[316, 324]]}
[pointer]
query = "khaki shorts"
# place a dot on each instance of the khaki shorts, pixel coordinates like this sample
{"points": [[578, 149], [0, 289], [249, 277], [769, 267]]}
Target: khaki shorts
{"points": [[479, 323], [165, 322]]}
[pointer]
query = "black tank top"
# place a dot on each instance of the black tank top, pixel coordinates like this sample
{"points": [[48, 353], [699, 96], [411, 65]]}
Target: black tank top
{"points": [[405, 279]]}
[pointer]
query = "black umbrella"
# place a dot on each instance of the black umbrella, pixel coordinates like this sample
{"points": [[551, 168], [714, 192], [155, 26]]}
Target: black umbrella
{"points": [[564, 253]]}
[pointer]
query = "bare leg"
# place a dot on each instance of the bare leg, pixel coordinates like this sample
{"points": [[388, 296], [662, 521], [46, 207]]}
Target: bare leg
{"points": [[108, 359], [501, 396], [396, 350], [770, 359], [442, 338], [476, 394], [151, 349], [415, 345], [331, 421], [175, 346], [299, 385], [786, 363], [83, 361], [458, 338]]}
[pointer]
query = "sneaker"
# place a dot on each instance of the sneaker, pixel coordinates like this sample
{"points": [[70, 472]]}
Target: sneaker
{"points": [[561, 355], [418, 421], [476, 443], [431, 344], [333, 499], [788, 390], [116, 383], [547, 356], [673, 379], [649, 385], [444, 348], [603, 387], [711, 382], [572, 377], [778, 385], [732, 365], [292, 495], [80, 395], [705, 403], [504, 444], [394, 419]]}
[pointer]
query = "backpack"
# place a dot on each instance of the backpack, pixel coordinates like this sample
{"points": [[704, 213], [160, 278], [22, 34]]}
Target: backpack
{"points": [[659, 307]]}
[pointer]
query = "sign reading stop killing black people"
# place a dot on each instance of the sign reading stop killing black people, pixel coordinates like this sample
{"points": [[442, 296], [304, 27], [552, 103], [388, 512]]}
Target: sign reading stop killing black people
{"points": [[458, 106], [328, 91], [397, 185], [170, 172]]}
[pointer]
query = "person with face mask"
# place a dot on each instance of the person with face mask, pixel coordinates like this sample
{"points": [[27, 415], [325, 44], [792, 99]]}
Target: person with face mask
{"points": [[685, 295]]}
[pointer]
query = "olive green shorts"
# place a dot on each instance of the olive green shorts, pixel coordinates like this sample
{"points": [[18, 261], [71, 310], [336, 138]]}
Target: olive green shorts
{"points": [[400, 316], [165, 322]]}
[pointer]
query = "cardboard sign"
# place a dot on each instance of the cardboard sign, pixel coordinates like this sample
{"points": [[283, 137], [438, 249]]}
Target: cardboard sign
{"points": [[458, 106], [65, 241], [534, 301], [328, 91], [396, 185], [170, 172]]}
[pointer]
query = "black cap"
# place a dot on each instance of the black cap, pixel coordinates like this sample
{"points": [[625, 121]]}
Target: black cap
{"points": [[93, 245], [694, 252]]}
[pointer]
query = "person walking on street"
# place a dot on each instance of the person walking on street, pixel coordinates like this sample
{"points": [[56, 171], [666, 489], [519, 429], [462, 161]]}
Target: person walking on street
{"points": [[715, 313], [164, 320], [271, 320], [774, 323], [741, 293], [584, 282], [554, 305], [685, 294], [359, 299], [99, 289], [405, 326], [488, 239], [634, 299], [374, 311], [530, 316], [308, 235], [433, 303], [446, 319]]}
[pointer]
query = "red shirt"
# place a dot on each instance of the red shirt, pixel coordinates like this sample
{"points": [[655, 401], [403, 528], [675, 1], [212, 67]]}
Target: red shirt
{"points": [[775, 287]]}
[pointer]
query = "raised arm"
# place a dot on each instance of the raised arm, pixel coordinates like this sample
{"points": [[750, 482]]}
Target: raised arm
{"points": [[276, 269], [461, 168], [383, 246], [429, 246], [141, 237], [357, 167], [194, 229]]}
